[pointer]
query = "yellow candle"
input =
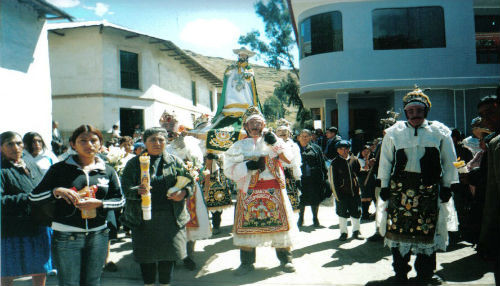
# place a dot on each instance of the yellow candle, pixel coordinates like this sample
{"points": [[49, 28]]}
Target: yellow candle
{"points": [[144, 161]]}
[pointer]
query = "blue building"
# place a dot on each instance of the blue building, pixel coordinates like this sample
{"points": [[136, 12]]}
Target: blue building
{"points": [[359, 58]]}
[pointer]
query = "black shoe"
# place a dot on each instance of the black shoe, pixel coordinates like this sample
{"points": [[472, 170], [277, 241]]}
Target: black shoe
{"points": [[288, 267], [244, 269], [216, 231], [343, 237], [365, 217], [375, 238], [357, 235], [300, 222], [110, 267], [434, 280], [393, 280], [316, 222], [189, 264]]}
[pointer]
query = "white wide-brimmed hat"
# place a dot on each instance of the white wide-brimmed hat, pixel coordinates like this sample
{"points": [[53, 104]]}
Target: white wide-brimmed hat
{"points": [[244, 51]]}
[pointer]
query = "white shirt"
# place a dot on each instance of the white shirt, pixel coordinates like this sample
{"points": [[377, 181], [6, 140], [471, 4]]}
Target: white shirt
{"points": [[43, 160], [238, 154], [402, 136], [295, 158]]}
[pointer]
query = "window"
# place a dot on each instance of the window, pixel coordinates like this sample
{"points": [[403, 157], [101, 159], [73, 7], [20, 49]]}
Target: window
{"points": [[321, 33], [316, 113], [193, 93], [487, 39], [129, 70], [408, 28], [211, 96]]}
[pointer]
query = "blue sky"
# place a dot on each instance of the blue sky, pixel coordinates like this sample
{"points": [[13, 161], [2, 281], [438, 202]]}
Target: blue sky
{"points": [[207, 27]]}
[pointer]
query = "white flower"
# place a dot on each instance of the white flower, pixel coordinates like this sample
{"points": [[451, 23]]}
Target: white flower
{"points": [[115, 154], [115, 158]]}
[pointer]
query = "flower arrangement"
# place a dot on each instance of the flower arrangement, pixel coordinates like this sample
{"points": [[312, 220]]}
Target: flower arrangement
{"points": [[115, 158]]}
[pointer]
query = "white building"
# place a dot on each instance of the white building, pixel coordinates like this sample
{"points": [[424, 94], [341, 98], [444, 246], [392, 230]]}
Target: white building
{"points": [[358, 58], [104, 74], [25, 96]]}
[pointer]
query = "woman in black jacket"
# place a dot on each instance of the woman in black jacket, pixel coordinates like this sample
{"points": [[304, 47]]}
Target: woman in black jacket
{"points": [[314, 177], [159, 239], [84, 189], [25, 245]]}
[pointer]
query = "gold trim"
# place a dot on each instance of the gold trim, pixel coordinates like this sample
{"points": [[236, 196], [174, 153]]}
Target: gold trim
{"points": [[237, 105], [233, 114]]}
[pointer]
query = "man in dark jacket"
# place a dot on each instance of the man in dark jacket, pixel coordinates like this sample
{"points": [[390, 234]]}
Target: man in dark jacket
{"points": [[345, 168], [330, 150], [489, 110]]}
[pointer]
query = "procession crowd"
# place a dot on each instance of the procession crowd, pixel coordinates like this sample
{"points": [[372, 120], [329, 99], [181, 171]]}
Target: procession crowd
{"points": [[429, 184]]}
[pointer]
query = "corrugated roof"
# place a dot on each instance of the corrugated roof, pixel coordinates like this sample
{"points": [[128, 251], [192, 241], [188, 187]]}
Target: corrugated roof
{"points": [[45, 9], [164, 45]]}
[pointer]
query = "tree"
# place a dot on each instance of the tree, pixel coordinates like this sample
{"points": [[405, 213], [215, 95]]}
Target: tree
{"points": [[279, 31], [278, 53], [273, 109], [287, 90]]}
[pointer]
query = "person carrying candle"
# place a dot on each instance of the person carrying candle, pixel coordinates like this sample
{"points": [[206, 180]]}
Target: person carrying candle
{"points": [[81, 184], [161, 240]]}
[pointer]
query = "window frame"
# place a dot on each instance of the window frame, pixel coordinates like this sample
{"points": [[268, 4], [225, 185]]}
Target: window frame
{"points": [[194, 93], [339, 48], [138, 72], [408, 28]]}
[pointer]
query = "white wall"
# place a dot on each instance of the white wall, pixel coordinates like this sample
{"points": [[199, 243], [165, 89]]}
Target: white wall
{"points": [[359, 66], [25, 92], [88, 63], [74, 111], [76, 62]]}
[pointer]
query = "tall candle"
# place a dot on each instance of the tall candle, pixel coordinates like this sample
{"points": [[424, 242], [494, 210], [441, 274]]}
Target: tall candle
{"points": [[144, 161]]}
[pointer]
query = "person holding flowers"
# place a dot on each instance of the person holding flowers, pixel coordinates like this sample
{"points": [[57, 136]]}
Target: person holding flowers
{"points": [[158, 237]]}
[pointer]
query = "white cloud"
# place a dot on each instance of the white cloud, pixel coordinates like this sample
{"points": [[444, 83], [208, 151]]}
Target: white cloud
{"points": [[64, 3], [210, 33], [100, 9]]}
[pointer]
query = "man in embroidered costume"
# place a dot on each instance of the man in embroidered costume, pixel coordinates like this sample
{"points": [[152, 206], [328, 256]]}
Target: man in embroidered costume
{"points": [[416, 171], [293, 173], [263, 212], [187, 148]]}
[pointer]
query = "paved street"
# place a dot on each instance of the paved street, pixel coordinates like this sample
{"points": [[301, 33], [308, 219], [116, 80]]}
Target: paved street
{"points": [[319, 257]]}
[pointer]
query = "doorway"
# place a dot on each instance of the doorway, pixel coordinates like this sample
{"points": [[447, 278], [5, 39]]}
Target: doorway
{"points": [[364, 118], [129, 118]]}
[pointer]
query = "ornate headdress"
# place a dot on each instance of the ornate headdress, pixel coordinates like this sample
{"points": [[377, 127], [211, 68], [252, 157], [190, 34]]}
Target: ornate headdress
{"points": [[252, 112], [169, 122], [390, 120], [201, 121], [283, 124], [417, 96]]}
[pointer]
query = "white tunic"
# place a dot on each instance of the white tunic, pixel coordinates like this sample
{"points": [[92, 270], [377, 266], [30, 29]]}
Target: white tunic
{"points": [[402, 136], [235, 168]]}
